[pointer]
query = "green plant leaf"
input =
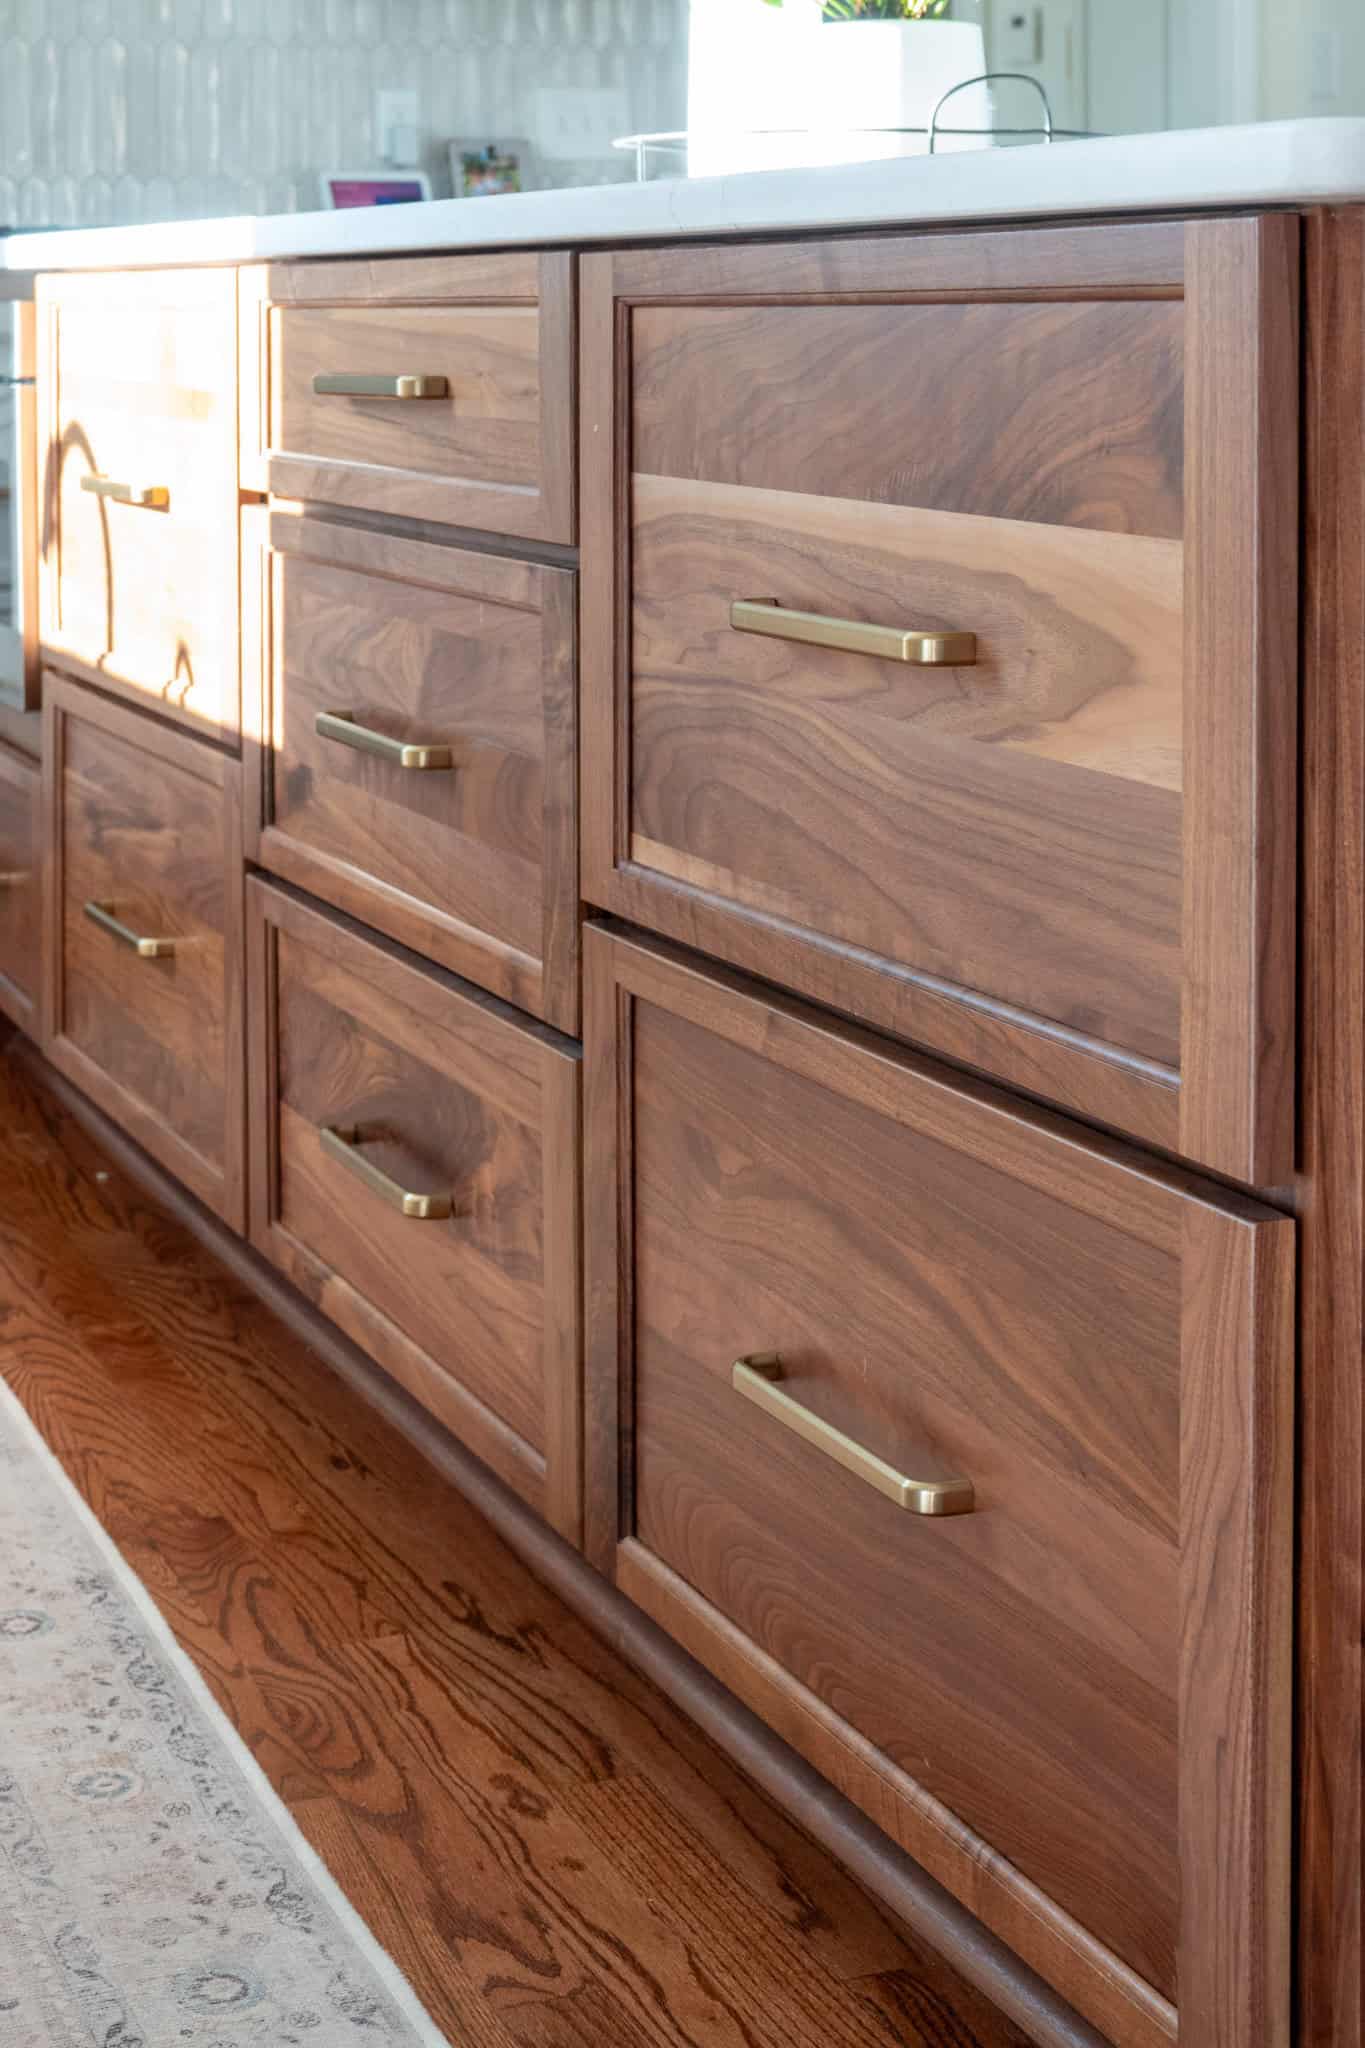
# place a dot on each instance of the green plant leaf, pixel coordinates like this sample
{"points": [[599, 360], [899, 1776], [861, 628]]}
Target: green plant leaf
{"points": [[878, 10]]}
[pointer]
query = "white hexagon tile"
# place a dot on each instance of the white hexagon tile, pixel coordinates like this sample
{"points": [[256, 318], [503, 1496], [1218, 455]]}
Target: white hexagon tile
{"points": [[130, 110]]}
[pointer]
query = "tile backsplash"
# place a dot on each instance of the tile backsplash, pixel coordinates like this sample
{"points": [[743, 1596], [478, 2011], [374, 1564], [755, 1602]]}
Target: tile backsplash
{"points": [[129, 110]]}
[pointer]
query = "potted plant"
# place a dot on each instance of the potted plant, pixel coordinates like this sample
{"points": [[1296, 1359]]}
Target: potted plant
{"points": [[890, 63]]}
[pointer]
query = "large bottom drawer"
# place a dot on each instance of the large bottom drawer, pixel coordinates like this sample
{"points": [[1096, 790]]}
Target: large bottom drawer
{"points": [[958, 1443], [415, 1171], [144, 930]]}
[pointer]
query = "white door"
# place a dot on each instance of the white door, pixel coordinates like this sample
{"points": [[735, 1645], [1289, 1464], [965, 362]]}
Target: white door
{"points": [[1046, 40]]}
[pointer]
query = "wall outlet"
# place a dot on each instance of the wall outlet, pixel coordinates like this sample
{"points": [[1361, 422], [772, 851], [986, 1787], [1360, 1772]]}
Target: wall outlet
{"points": [[578, 121], [395, 126]]}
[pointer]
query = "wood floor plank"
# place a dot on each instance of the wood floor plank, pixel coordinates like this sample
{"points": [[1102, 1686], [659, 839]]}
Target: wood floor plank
{"points": [[553, 1853], [399, 1920]]}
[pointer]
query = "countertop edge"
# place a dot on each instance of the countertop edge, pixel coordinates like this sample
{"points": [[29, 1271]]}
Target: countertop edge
{"points": [[1285, 163]]}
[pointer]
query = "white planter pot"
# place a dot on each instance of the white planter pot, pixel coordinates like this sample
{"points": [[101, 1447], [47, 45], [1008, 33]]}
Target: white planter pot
{"points": [[892, 74], [757, 68]]}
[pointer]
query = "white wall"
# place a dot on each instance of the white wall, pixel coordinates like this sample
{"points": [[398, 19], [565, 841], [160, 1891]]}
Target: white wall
{"points": [[1196, 63], [1127, 66], [122, 110], [1313, 58]]}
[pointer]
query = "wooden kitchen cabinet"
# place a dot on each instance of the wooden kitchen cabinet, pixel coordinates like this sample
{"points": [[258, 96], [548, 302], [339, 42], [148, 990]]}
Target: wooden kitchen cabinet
{"points": [[435, 387], [416, 765], [941, 1433], [143, 927], [940, 648], [972, 794], [137, 560], [415, 1167]]}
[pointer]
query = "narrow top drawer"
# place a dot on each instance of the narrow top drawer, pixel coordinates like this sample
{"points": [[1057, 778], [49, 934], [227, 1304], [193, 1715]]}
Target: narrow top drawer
{"points": [[433, 388]]}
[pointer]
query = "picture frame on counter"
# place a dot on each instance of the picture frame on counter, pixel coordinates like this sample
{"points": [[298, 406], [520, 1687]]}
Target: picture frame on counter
{"points": [[480, 169]]}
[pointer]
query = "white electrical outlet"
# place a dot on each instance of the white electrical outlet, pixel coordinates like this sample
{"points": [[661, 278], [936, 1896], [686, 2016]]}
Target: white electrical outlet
{"points": [[395, 126], [578, 121]]}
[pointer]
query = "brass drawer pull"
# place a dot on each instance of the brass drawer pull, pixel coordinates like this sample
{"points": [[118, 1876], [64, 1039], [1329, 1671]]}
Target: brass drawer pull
{"points": [[759, 1379], [14, 878], [341, 727], [343, 1142], [152, 497], [850, 636], [102, 914], [343, 384]]}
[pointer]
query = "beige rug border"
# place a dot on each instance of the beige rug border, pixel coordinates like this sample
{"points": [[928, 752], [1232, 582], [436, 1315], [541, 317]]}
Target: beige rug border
{"points": [[309, 1861]]}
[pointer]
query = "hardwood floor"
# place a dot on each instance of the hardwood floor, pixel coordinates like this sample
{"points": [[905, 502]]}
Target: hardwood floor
{"points": [[553, 1854]]}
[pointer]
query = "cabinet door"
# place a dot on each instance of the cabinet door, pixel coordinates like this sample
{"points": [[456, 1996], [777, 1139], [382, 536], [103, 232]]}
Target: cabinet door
{"points": [[430, 387], [138, 450], [415, 1171], [143, 916], [959, 1444], [416, 766], [940, 644]]}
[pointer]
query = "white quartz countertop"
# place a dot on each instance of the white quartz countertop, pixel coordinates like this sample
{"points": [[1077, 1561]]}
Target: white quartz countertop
{"points": [[1279, 163]]}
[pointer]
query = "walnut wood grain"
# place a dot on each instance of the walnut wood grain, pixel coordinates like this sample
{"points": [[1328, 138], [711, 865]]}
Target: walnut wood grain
{"points": [[925, 817], [476, 865], [1236, 1629], [21, 889], [495, 453], [1087, 258], [793, 1186], [1184, 753], [1330, 1189], [1073, 1070], [138, 383], [253, 377], [1066, 414], [149, 820], [476, 1314], [1241, 719], [1110, 2002]]}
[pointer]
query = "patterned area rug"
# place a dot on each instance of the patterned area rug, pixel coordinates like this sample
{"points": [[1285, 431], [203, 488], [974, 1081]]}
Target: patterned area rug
{"points": [[153, 1889]]}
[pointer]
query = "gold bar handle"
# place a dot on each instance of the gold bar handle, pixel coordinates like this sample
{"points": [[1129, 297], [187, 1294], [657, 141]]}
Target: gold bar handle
{"points": [[346, 384], [102, 914], [851, 636], [14, 878], [152, 497], [343, 1142], [341, 727], [759, 1378]]}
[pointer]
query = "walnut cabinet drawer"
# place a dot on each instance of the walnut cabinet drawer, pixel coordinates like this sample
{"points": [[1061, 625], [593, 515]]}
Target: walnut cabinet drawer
{"points": [[414, 1170], [143, 917], [417, 767], [20, 889], [954, 683], [138, 462], [436, 388], [958, 1444]]}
